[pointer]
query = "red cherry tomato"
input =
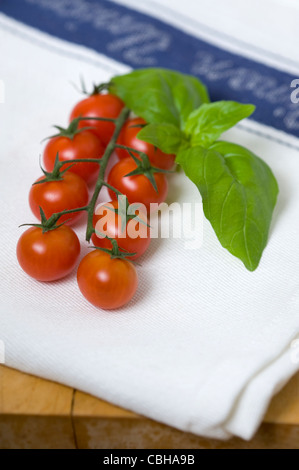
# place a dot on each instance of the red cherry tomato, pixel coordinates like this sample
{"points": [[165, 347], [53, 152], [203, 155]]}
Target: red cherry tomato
{"points": [[135, 238], [100, 105], [137, 188], [56, 196], [105, 282], [48, 256], [128, 137], [83, 145]]}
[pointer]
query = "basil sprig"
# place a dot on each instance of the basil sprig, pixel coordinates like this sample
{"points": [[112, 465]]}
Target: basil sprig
{"points": [[238, 189]]}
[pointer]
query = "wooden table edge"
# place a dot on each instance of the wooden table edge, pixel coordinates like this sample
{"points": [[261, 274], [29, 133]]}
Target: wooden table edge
{"points": [[89, 422]]}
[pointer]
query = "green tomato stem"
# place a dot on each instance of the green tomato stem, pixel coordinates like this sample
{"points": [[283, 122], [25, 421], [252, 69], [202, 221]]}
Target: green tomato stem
{"points": [[109, 186], [80, 160], [104, 161], [129, 149]]}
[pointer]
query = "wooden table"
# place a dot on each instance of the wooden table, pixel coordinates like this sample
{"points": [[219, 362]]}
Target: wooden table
{"points": [[36, 413]]}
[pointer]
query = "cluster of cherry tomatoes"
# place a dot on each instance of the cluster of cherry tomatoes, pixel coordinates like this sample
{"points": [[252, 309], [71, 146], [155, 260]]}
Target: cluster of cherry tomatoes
{"points": [[46, 252]]}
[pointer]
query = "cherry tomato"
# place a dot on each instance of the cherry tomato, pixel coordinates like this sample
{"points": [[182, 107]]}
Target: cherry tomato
{"points": [[107, 221], [128, 137], [83, 145], [105, 282], [137, 188], [55, 196], [100, 105], [48, 256]]}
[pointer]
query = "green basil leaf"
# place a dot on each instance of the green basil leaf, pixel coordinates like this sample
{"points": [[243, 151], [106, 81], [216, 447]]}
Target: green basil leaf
{"points": [[160, 95], [239, 192], [209, 121], [166, 137]]}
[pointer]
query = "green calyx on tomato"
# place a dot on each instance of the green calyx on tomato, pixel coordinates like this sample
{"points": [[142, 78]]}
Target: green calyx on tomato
{"points": [[71, 130], [96, 89], [115, 251], [46, 224], [56, 174], [143, 165]]}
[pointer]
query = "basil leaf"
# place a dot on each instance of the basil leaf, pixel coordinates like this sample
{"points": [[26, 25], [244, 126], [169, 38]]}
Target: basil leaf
{"points": [[160, 95], [206, 124], [166, 137], [239, 192]]}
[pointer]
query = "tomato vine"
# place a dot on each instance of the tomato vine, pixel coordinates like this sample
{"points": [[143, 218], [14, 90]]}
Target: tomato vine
{"points": [[175, 121]]}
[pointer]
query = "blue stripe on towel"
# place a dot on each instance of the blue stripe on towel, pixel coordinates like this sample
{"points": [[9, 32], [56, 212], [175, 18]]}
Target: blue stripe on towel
{"points": [[140, 40]]}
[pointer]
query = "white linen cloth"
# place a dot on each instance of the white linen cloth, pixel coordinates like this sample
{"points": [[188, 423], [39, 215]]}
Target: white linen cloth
{"points": [[205, 344]]}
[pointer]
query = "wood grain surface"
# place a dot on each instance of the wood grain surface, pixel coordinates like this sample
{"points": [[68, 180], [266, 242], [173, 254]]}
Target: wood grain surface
{"points": [[37, 413]]}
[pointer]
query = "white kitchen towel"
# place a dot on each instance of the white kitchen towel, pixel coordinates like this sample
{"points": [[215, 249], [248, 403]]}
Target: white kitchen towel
{"points": [[205, 344]]}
